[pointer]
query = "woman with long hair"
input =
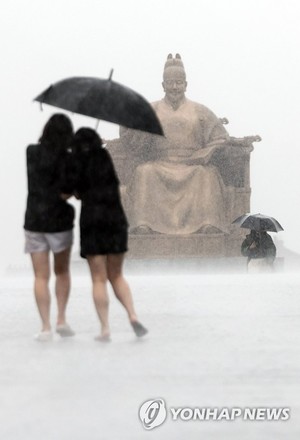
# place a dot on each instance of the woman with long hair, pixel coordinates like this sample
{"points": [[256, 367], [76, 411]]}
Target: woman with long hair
{"points": [[49, 221], [103, 227]]}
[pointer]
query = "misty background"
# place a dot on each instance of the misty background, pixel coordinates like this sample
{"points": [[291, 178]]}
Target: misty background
{"points": [[241, 58], [214, 340]]}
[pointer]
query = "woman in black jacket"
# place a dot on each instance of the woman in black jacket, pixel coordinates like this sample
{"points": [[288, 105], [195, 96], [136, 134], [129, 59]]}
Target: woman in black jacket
{"points": [[49, 220], [103, 227]]}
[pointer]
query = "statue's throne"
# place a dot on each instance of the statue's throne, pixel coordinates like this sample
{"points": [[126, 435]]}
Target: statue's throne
{"points": [[233, 163]]}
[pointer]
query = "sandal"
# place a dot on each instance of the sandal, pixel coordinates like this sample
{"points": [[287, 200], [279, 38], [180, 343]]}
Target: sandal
{"points": [[139, 329]]}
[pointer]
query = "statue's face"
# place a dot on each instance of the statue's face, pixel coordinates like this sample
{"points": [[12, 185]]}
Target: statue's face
{"points": [[174, 84]]}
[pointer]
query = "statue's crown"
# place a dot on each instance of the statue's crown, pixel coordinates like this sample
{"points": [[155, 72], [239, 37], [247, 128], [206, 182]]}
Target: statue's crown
{"points": [[174, 62]]}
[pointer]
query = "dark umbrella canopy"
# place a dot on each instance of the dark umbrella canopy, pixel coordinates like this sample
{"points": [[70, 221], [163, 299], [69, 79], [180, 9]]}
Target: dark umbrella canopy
{"points": [[258, 222], [103, 99]]}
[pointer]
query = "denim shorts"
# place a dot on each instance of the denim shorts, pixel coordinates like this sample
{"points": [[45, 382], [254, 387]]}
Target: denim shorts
{"points": [[50, 241]]}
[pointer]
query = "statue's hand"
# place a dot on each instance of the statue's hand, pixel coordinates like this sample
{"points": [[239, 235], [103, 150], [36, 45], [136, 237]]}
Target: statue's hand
{"points": [[204, 156]]}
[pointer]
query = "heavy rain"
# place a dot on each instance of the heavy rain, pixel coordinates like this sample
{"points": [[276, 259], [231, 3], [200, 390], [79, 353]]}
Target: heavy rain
{"points": [[219, 337]]}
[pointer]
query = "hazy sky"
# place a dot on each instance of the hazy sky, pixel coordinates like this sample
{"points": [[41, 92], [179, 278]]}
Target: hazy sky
{"points": [[242, 60]]}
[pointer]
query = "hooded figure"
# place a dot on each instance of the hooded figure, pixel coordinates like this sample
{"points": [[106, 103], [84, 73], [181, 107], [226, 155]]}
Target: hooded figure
{"points": [[260, 249]]}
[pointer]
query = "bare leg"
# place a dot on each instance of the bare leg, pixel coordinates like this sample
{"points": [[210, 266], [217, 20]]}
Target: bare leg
{"points": [[41, 267], [119, 284], [122, 290], [97, 264], [62, 283]]}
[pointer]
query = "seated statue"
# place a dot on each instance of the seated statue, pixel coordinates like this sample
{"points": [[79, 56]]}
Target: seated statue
{"points": [[176, 188]]}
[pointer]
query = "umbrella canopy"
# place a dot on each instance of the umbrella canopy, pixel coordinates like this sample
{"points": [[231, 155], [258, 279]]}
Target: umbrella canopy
{"points": [[103, 99], [258, 222]]}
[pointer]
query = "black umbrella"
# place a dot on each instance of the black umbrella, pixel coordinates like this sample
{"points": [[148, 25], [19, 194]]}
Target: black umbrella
{"points": [[103, 99], [258, 222]]}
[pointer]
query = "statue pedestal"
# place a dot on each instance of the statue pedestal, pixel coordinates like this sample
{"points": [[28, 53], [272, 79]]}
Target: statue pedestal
{"points": [[192, 245]]}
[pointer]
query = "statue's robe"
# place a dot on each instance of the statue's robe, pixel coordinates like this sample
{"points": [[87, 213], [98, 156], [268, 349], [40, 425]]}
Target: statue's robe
{"points": [[177, 190]]}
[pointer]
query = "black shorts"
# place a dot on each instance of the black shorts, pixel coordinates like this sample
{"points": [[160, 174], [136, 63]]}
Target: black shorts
{"points": [[100, 241]]}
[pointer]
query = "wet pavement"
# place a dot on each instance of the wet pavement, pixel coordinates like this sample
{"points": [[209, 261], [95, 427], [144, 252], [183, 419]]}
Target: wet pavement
{"points": [[215, 341]]}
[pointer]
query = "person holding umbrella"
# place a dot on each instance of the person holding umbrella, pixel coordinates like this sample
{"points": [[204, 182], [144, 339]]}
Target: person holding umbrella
{"points": [[49, 221], [258, 246], [103, 227], [260, 249]]}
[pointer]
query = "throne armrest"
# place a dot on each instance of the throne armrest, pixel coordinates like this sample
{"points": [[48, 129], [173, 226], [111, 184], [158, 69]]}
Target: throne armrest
{"points": [[233, 161]]}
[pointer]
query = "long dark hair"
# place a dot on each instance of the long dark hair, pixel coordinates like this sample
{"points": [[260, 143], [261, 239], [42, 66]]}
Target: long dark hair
{"points": [[58, 132], [86, 145], [86, 140]]}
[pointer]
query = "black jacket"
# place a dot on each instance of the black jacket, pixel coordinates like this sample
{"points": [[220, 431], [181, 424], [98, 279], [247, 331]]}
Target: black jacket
{"points": [[97, 185], [46, 211], [259, 246]]}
